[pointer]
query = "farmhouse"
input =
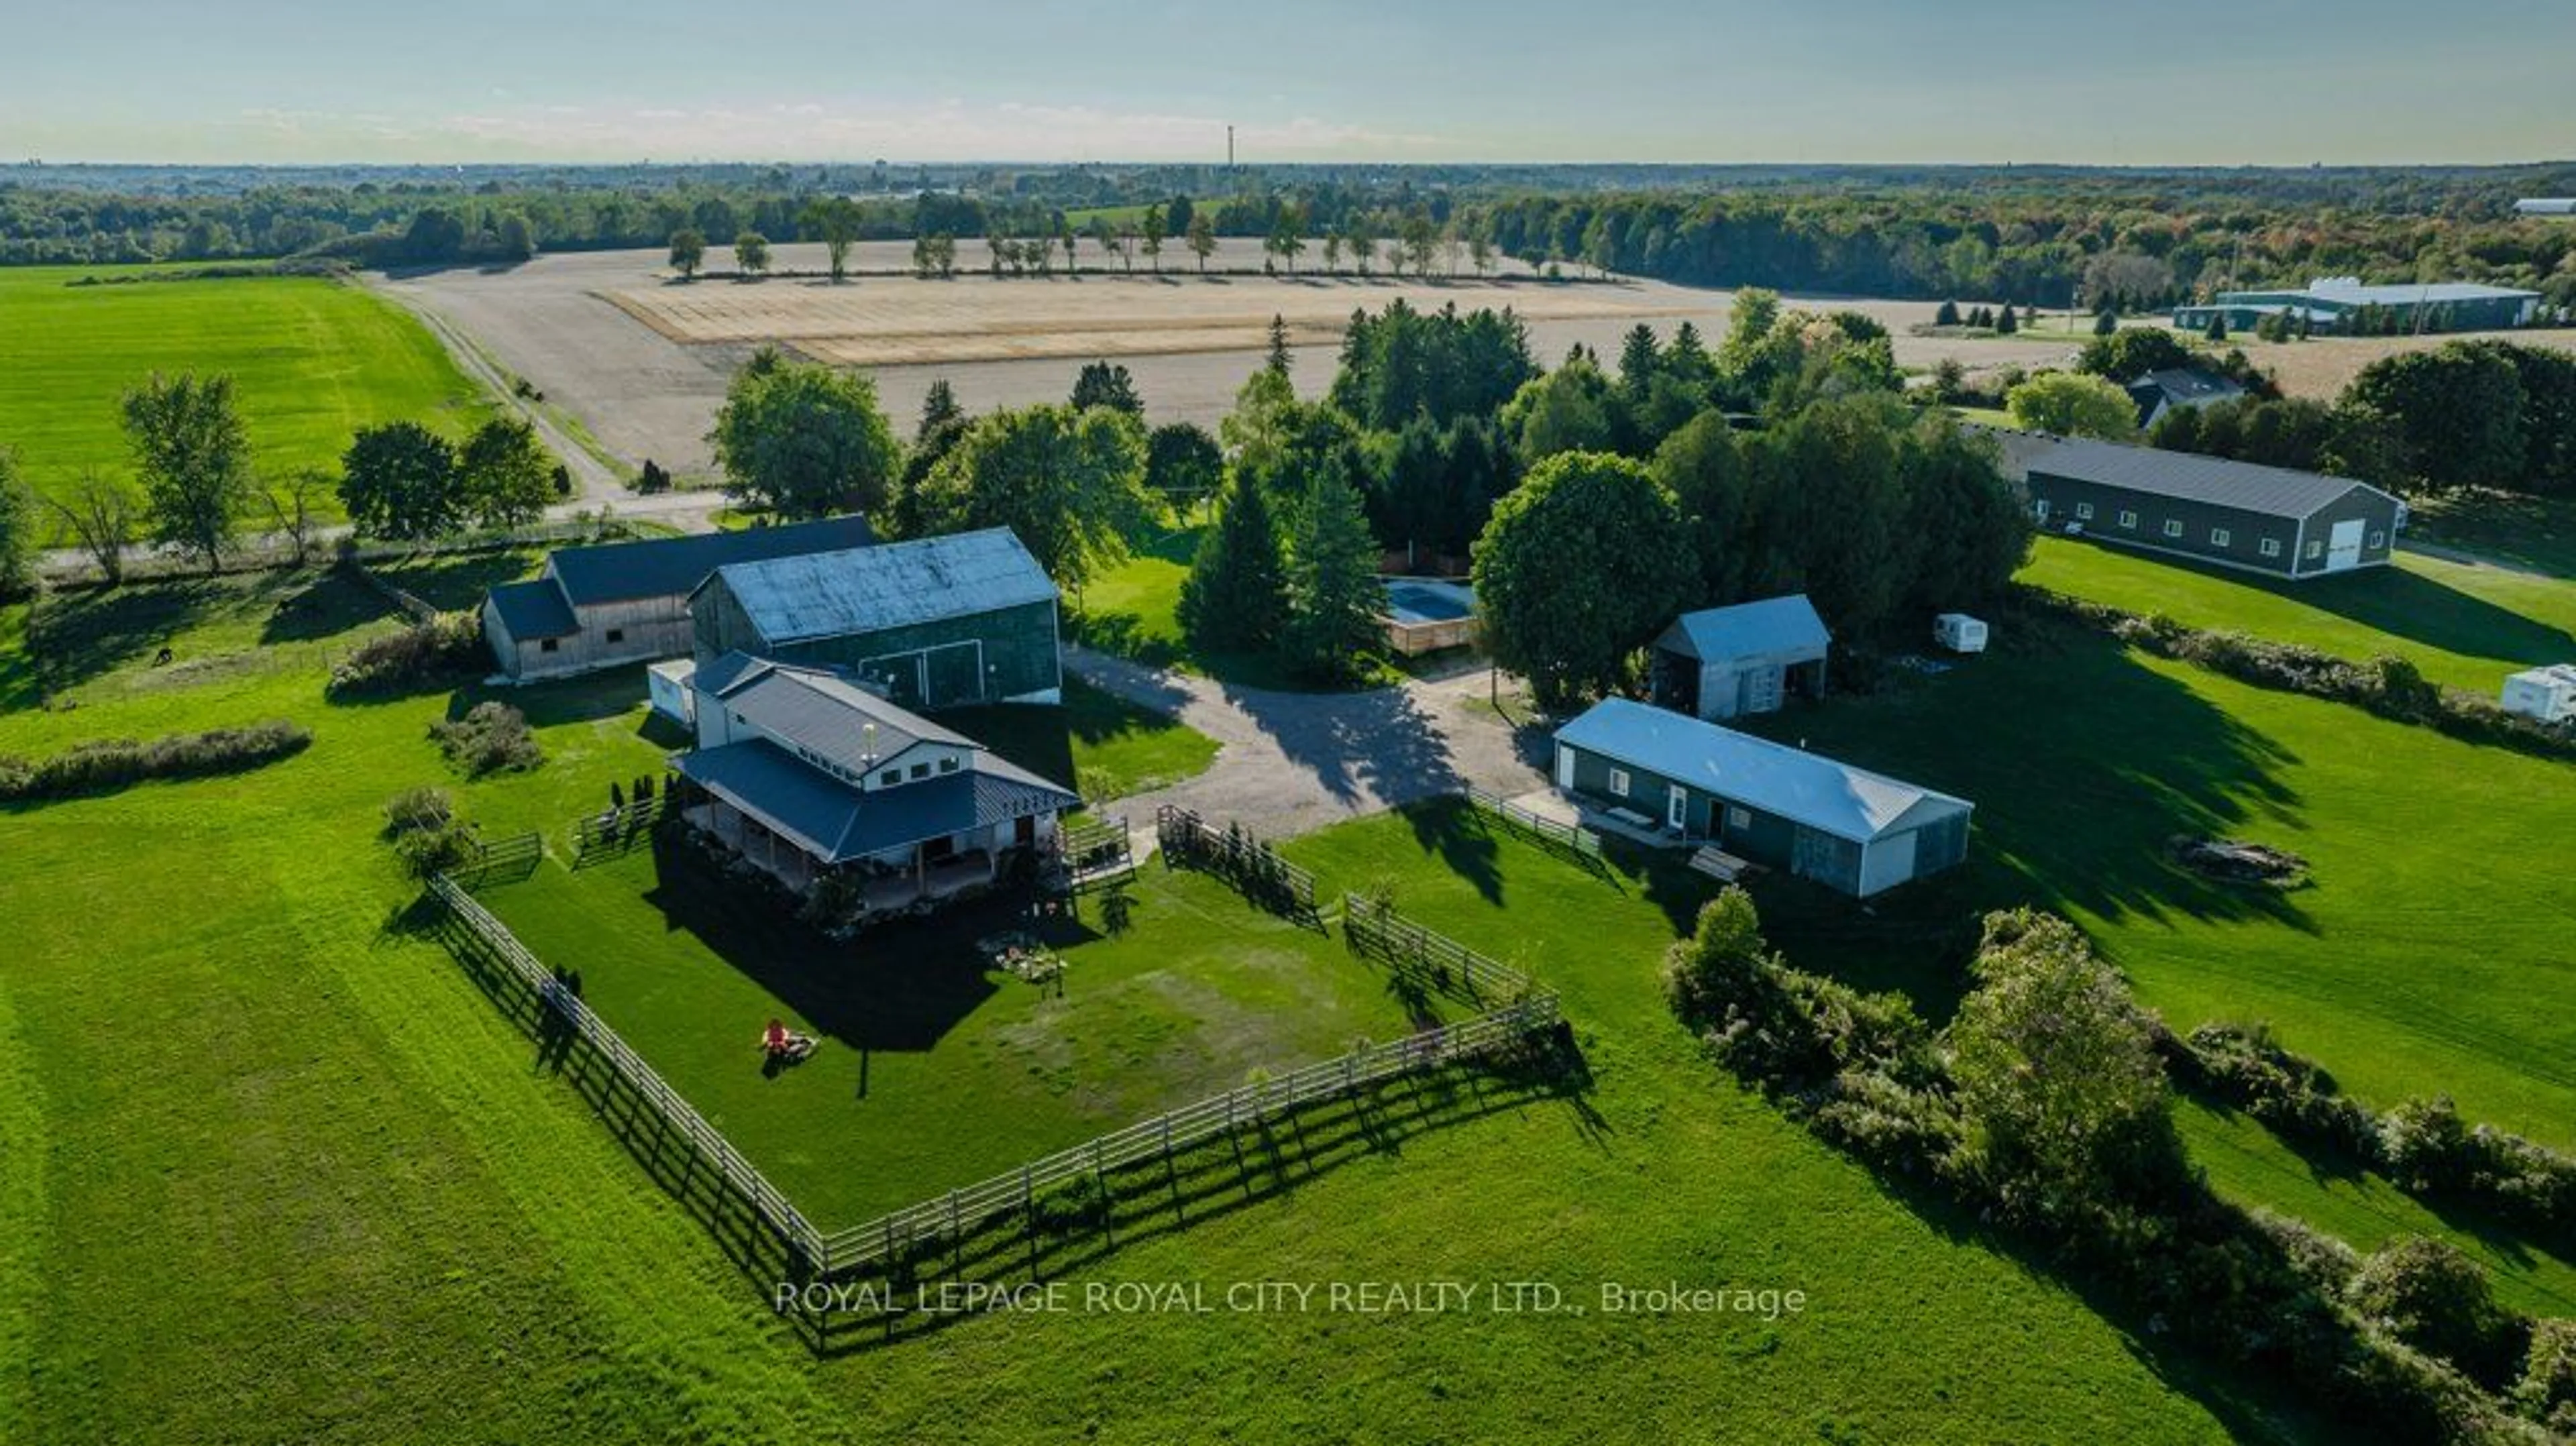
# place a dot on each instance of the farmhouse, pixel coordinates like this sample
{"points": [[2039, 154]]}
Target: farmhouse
{"points": [[2270, 520], [1750, 658], [2338, 303], [935, 623], [811, 776], [625, 602], [2159, 392], [1844, 827]]}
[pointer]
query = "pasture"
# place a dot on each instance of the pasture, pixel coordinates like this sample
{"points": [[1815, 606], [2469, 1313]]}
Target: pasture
{"points": [[278, 1169], [312, 361]]}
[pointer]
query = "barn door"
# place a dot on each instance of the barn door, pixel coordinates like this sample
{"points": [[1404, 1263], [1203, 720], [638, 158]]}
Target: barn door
{"points": [[2343, 545]]}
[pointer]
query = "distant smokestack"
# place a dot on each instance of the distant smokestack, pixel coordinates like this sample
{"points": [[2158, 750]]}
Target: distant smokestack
{"points": [[1229, 148]]}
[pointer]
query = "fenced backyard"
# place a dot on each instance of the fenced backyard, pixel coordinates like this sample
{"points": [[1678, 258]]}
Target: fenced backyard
{"points": [[1067, 1204], [1556, 835], [1251, 867]]}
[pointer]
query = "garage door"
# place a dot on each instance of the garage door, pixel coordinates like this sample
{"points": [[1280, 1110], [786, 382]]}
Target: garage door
{"points": [[2343, 545], [956, 675]]}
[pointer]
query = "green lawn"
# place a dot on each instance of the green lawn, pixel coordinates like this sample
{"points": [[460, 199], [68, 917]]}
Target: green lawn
{"points": [[312, 361], [2465, 626], [1132, 611], [2536, 533], [277, 1170], [936, 1070], [2428, 955], [1098, 742]]}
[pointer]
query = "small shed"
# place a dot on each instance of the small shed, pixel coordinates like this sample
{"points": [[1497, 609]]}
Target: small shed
{"points": [[1846, 828], [1959, 632], [1749, 658], [673, 695], [2548, 694]]}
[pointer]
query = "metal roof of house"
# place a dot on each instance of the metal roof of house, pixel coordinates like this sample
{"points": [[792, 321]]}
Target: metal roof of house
{"points": [[835, 822], [821, 711], [1785, 624], [868, 589], [2189, 477], [534, 609], [1847, 802], [2187, 384], [674, 566]]}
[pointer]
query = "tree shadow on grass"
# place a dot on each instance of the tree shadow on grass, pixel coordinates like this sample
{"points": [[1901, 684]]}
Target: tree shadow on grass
{"points": [[309, 606], [457, 582], [586, 699]]}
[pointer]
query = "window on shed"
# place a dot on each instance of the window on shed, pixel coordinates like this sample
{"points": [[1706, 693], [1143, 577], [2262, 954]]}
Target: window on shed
{"points": [[2316, 548], [1738, 817], [921, 770], [2128, 518], [2378, 540], [2173, 527], [948, 764], [2271, 547], [2083, 511], [617, 635], [890, 778], [1619, 782], [2218, 537], [548, 645]]}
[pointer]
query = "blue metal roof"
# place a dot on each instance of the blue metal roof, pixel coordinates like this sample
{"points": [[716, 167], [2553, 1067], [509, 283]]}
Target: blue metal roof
{"points": [[1774, 625], [835, 823], [869, 589], [821, 711], [1791, 783], [674, 566], [534, 609]]}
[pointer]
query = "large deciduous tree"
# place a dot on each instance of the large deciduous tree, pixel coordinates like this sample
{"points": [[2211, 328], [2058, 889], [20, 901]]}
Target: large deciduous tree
{"points": [[100, 517], [688, 252], [399, 481], [2072, 404], [803, 440], [1070, 484], [17, 529], [193, 457], [504, 475], [1578, 568], [1183, 465], [751, 253], [2458, 412]]}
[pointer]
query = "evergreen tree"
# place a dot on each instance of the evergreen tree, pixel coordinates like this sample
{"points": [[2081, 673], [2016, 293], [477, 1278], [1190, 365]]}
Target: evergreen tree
{"points": [[1280, 361], [2217, 326], [1332, 590], [1948, 315], [2105, 322], [2006, 323], [1236, 594], [1639, 361], [1107, 384]]}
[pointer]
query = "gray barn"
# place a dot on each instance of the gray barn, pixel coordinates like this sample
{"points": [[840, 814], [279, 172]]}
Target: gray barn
{"points": [[935, 623], [628, 602], [1844, 827], [1750, 658], [2270, 520]]}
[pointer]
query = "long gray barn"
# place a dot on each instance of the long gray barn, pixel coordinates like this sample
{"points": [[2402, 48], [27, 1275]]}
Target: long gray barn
{"points": [[1749, 658], [628, 602], [935, 623], [2269, 520], [1844, 827]]}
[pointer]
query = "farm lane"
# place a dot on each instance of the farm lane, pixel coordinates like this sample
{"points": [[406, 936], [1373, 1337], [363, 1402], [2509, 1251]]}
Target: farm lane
{"points": [[1290, 763]]}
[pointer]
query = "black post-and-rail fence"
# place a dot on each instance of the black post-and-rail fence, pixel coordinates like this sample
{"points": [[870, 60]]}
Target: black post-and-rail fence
{"points": [[614, 831], [1075, 1203], [1251, 867]]}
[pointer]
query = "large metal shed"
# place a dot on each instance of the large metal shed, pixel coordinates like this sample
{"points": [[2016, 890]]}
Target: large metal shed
{"points": [[1749, 658]]}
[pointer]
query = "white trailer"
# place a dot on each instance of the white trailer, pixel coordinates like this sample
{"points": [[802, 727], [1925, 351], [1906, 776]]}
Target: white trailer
{"points": [[1959, 632], [2548, 694]]}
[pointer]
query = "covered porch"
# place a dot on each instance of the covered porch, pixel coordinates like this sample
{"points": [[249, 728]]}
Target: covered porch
{"points": [[931, 871]]}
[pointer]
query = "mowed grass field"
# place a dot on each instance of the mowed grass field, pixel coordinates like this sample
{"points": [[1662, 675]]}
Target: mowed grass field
{"points": [[312, 361], [277, 1170], [2464, 625]]}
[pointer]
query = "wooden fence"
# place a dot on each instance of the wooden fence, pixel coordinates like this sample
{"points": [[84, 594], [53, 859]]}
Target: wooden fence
{"points": [[1255, 869], [935, 1226], [1096, 851], [413, 606], [1375, 930], [801, 1238], [1580, 842], [613, 831], [514, 857]]}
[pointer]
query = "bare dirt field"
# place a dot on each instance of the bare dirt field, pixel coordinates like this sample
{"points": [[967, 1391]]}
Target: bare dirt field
{"points": [[640, 360]]}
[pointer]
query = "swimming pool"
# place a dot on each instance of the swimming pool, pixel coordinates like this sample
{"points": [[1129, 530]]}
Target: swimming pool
{"points": [[1414, 600]]}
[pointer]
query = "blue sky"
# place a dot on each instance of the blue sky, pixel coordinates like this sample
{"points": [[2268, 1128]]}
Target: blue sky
{"points": [[2183, 81]]}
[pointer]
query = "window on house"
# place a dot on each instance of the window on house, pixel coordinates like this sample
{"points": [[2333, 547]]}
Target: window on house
{"points": [[2173, 527], [2218, 537], [2378, 540], [1737, 817], [2083, 511], [948, 765], [2128, 518], [890, 778], [921, 770], [548, 645], [2316, 548], [2271, 547], [1619, 782], [617, 635]]}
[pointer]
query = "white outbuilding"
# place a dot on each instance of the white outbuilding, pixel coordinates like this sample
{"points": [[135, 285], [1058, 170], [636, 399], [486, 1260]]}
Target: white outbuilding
{"points": [[1959, 632], [2548, 694]]}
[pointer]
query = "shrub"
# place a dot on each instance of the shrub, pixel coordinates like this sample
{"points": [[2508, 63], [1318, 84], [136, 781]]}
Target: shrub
{"points": [[2433, 1297], [1076, 1205], [490, 738], [2548, 1390], [102, 764], [425, 832], [445, 648]]}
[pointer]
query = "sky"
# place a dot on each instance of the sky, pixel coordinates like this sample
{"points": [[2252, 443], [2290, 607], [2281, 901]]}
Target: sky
{"points": [[2198, 82]]}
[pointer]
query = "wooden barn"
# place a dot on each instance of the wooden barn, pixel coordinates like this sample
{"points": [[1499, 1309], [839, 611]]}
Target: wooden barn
{"points": [[1749, 658], [1781, 807], [940, 622], [2271, 520], [628, 602]]}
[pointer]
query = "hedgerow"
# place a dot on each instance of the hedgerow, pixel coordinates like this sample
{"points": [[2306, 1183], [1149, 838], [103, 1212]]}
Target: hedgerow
{"points": [[104, 764]]}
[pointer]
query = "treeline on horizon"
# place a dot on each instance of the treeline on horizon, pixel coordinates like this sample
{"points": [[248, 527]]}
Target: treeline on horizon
{"points": [[2032, 236]]}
